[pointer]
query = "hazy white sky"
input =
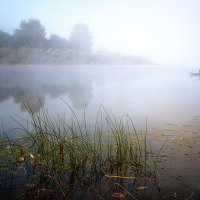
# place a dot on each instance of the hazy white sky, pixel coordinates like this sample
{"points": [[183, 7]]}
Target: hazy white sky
{"points": [[167, 31]]}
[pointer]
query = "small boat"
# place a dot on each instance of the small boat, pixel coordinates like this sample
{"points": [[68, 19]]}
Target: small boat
{"points": [[195, 74]]}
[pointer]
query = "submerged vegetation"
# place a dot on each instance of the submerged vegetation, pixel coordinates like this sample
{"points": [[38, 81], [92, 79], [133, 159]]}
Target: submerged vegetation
{"points": [[59, 159]]}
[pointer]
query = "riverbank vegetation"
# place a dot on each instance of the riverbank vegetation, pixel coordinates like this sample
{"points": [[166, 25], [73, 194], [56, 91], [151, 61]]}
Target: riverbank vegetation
{"points": [[29, 45], [59, 159]]}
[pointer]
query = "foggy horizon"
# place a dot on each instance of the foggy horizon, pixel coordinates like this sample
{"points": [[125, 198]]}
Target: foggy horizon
{"points": [[99, 99], [166, 32]]}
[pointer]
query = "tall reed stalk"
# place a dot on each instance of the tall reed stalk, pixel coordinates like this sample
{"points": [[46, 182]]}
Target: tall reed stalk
{"points": [[65, 160]]}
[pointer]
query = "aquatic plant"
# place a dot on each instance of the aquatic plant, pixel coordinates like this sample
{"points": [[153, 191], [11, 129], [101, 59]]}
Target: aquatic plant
{"points": [[67, 160]]}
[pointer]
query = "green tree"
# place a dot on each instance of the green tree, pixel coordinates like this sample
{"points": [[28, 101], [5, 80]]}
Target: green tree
{"points": [[6, 40], [56, 42], [31, 34], [81, 38]]}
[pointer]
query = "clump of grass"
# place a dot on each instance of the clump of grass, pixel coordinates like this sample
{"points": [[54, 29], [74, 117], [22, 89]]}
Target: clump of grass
{"points": [[65, 160]]}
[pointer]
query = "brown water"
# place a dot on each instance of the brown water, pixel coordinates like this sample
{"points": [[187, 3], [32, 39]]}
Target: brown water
{"points": [[167, 96]]}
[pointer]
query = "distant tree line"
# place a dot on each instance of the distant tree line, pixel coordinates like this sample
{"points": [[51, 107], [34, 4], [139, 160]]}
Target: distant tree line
{"points": [[32, 34], [29, 45]]}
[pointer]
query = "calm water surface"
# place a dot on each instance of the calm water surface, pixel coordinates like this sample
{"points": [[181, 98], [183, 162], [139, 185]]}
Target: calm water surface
{"points": [[168, 96], [163, 95]]}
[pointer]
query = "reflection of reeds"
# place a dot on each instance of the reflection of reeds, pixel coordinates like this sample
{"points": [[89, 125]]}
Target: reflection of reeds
{"points": [[65, 160]]}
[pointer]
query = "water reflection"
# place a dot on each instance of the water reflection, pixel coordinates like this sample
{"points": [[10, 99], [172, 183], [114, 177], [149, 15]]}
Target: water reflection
{"points": [[165, 95], [168, 97], [24, 84]]}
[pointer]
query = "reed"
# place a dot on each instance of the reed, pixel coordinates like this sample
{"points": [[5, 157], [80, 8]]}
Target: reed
{"points": [[62, 159]]}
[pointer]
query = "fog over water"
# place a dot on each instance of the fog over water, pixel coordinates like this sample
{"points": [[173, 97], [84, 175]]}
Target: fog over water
{"points": [[132, 57], [35, 84], [162, 95], [168, 97], [164, 31]]}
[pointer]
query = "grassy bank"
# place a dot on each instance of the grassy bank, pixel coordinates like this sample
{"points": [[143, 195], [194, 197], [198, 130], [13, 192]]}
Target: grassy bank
{"points": [[59, 159], [35, 56]]}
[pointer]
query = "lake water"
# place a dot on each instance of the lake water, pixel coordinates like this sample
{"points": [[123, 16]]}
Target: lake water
{"points": [[167, 96], [163, 95]]}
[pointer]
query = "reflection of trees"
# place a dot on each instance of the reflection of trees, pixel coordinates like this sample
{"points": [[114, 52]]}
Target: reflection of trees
{"points": [[32, 102], [79, 93], [30, 85]]}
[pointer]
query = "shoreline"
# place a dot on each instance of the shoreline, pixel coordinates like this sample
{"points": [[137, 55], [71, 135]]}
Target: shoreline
{"points": [[77, 65]]}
